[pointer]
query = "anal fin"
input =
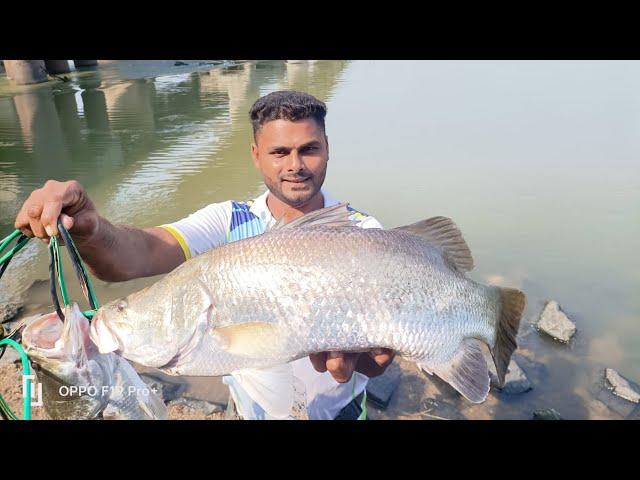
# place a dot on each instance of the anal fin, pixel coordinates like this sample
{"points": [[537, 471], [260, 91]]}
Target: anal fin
{"points": [[467, 372]]}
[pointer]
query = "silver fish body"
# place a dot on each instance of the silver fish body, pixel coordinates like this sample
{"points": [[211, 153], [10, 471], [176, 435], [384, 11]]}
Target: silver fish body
{"points": [[319, 286]]}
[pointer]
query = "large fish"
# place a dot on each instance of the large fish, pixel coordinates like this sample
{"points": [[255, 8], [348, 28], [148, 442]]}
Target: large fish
{"points": [[80, 383], [318, 284]]}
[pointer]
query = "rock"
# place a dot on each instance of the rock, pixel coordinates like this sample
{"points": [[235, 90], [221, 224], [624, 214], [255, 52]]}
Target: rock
{"points": [[515, 381], [381, 388], [620, 386], [10, 355], [179, 64], [8, 311], [202, 405], [603, 390], [168, 391], [211, 389], [555, 323], [546, 414]]}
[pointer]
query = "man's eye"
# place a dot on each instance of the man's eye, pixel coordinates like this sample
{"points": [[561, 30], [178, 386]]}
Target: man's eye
{"points": [[309, 149]]}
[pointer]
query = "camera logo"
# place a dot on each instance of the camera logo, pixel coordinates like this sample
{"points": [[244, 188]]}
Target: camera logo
{"points": [[36, 390]]}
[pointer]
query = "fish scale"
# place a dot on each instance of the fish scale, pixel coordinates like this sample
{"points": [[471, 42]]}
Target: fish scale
{"points": [[243, 292]]}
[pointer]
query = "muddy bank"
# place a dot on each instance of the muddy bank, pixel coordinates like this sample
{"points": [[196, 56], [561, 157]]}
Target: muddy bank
{"points": [[11, 391]]}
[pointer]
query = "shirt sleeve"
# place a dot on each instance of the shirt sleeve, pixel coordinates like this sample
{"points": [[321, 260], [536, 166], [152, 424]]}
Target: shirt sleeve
{"points": [[370, 222], [202, 230]]}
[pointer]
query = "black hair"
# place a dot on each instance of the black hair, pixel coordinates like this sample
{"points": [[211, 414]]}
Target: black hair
{"points": [[286, 105]]}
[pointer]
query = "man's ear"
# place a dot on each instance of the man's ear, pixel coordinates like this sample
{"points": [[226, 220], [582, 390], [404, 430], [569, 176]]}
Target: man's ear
{"points": [[254, 155]]}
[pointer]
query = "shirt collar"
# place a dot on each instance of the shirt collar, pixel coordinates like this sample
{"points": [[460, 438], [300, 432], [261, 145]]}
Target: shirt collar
{"points": [[261, 210]]}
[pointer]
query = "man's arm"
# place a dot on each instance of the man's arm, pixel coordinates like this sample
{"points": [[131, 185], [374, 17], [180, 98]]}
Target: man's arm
{"points": [[119, 252], [112, 252]]}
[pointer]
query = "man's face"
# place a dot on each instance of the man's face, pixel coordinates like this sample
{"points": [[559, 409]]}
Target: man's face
{"points": [[292, 157]]}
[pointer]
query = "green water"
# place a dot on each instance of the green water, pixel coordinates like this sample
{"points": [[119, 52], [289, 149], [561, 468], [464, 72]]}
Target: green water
{"points": [[537, 162]]}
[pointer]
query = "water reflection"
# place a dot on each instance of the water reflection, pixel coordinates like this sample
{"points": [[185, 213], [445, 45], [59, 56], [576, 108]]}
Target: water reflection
{"points": [[148, 149]]}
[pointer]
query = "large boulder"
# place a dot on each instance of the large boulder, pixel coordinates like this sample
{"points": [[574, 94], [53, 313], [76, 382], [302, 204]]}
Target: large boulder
{"points": [[8, 311]]}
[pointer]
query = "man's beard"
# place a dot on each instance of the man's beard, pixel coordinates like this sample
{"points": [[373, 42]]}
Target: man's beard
{"points": [[296, 199]]}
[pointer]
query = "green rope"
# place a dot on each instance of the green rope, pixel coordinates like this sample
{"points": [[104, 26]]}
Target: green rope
{"points": [[26, 414], [16, 248], [9, 239], [54, 246], [363, 404], [87, 287]]}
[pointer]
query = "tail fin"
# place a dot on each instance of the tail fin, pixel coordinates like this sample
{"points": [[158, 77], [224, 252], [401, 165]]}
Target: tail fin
{"points": [[513, 303]]}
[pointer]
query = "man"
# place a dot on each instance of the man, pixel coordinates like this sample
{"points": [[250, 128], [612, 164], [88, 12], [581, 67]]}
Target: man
{"points": [[291, 151]]}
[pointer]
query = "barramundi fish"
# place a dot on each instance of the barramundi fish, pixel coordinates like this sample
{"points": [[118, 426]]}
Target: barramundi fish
{"points": [[319, 284]]}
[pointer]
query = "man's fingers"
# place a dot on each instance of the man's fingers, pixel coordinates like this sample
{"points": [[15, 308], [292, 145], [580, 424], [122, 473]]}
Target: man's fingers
{"points": [[72, 197], [382, 356], [37, 228], [27, 231], [341, 365], [34, 211], [319, 361], [49, 217], [67, 221]]}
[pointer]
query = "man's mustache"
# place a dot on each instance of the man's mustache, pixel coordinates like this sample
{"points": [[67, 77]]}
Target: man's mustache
{"points": [[295, 178]]}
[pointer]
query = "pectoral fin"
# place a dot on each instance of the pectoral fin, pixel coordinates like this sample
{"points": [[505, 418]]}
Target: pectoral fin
{"points": [[251, 339]]}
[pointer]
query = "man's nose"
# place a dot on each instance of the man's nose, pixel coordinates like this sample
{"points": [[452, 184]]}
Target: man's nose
{"points": [[295, 161]]}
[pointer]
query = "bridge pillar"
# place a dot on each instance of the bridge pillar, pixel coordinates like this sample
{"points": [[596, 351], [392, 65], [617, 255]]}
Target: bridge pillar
{"points": [[24, 72], [85, 63], [57, 66]]}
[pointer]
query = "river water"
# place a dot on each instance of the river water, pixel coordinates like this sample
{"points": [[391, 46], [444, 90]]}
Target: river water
{"points": [[536, 161]]}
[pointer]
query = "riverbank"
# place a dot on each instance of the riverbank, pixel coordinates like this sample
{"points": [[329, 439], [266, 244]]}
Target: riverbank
{"points": [[11, 391]]}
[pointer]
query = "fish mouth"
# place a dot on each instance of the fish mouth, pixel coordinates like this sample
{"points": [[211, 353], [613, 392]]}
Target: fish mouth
{"points": [[42, 335], [103, 336]]}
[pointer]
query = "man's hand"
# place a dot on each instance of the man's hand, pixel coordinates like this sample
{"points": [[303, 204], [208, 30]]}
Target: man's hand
{"points": [[113, 253], [39, 214], [341, 365]]}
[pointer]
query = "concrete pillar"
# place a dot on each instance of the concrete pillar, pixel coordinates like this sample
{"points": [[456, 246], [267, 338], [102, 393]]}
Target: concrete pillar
{"points": [[24, 72], [95, 110], [57, 66], [2, 67], [41, 131], [85, 63]]}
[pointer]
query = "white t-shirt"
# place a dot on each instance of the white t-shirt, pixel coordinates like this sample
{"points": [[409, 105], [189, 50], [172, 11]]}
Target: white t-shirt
{"points": [[207, 228]]}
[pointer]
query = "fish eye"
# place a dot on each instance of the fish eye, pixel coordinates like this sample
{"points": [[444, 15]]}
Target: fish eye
{"points": [[121, 305]]}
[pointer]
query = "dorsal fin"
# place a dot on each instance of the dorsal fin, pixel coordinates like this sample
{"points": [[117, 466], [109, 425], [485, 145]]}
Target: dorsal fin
{"points": [[444, 233], [334, 216]]}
